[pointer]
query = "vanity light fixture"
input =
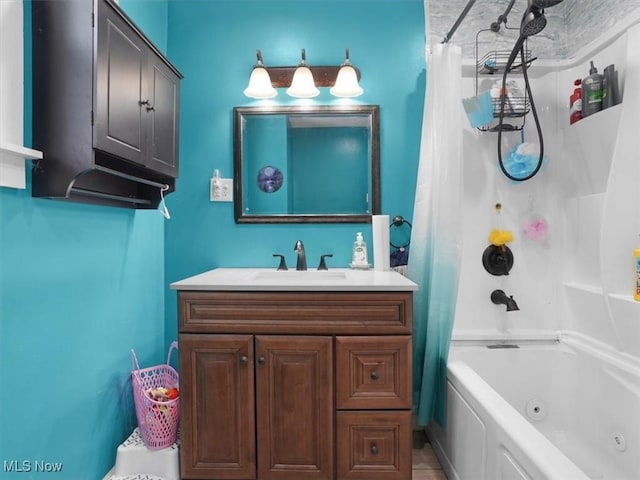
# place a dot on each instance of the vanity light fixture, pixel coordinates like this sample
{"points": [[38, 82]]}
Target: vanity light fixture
{"points": [[347, 80], [303, 85], [301, 81], [260, 82]]}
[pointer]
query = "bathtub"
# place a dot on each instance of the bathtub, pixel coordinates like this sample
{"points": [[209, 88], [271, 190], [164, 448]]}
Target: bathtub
{"points": [[563, 411]]}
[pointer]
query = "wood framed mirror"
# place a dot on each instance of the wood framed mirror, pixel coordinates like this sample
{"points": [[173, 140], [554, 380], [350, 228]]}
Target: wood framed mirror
{"points": [[306, 164]]}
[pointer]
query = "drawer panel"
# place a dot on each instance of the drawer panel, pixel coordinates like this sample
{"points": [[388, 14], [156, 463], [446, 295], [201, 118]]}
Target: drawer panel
{"points": [[373, 372], [348, 313], [374, 444]]}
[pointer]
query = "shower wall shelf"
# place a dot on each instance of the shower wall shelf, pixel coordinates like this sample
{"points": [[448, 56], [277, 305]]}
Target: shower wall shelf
{"points": [[516, 107], [495, 62]]}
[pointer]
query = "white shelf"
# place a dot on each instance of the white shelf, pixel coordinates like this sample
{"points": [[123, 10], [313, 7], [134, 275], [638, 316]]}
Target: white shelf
{"points": [[23, 153], [12, 164], [623, 298], [584, 287]]}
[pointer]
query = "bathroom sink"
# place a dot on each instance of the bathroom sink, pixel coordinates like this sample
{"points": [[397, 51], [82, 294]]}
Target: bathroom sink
{"points": [[302, 276]]}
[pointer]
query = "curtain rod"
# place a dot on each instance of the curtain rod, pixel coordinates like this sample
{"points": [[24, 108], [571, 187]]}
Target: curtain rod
{"points": [[450, 33]]}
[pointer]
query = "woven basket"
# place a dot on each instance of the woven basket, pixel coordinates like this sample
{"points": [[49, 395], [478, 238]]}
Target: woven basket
{"points": [[158, 421]]}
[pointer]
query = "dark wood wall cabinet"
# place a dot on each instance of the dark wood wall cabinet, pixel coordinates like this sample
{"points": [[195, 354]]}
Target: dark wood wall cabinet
{"points": [[105, 107], [295, 385]]}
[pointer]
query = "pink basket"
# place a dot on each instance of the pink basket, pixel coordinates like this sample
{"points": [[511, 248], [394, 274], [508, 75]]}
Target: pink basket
{"points": [[157, 421]]}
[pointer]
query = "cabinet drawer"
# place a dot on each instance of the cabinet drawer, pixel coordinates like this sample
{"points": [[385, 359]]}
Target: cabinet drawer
{"points": [[343, 313], [373, 372], [374, 444]]}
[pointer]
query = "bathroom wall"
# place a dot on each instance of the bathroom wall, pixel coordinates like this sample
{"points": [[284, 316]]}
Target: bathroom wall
{"points": [[214, 44], [602, 216], [79, 286], [578, 281], [535, 276]]}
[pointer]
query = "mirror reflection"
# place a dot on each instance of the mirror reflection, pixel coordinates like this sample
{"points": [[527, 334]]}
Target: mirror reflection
{"points": [[306, 164]]}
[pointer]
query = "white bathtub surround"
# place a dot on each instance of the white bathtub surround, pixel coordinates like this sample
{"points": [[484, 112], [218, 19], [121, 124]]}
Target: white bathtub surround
{"points": [[434, 256], [574, 418], [576, 290], [580, 279]]}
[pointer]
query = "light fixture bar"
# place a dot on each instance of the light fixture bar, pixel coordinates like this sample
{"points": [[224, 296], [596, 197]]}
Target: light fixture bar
{"points": [[324, 76], [282, 76]]}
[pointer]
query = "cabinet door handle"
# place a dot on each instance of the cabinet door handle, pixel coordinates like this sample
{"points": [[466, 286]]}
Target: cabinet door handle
{"points": [[244, 360], [374, 375], [374, 449], [262, 360]]}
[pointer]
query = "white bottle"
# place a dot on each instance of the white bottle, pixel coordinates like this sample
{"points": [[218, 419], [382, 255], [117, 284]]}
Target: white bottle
{"points": [[359, 258]]}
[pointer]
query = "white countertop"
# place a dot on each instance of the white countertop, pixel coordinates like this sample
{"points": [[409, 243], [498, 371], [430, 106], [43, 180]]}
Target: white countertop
{"points": [[261, 279]]}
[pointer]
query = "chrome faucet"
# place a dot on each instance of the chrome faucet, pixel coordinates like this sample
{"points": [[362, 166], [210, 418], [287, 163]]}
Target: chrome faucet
{"points": [[500, 298], [301, 264]]}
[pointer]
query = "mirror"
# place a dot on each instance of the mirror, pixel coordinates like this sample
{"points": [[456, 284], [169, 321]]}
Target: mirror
{"points": [[313, 164]]}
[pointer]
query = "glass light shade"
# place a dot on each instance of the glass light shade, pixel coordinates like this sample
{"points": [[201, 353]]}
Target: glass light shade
{"points": [[346, 83], [302, 85], [260, 84]]}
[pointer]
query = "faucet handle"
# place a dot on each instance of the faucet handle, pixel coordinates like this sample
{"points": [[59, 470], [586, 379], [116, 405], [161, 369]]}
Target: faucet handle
{"points": [[283, 264], [323, 265]]}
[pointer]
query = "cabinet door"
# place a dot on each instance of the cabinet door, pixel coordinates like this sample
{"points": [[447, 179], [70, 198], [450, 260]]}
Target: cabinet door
{"points": [[121, 71], [294, 395], [375, 372], [217, 407], [373, 445], [162, 117]]}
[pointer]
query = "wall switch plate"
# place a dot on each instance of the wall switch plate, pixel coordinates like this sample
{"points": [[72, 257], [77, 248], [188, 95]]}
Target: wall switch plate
{"points": [[221, 190]]}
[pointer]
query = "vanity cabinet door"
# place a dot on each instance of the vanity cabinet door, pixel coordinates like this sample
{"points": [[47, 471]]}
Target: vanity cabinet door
{"points": [[374, 372], [373, 445], [217, 407], [294, 394]]}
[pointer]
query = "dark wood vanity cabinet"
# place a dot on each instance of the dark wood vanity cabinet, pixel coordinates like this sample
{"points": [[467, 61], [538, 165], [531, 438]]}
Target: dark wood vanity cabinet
{"points": [[295, 385], [105, 107]]}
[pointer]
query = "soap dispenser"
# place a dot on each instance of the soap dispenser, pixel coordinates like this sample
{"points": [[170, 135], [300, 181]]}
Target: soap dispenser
{"points": [[359, 257]]}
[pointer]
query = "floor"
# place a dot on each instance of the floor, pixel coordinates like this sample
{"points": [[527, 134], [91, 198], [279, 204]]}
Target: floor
{"points": [[425, 462]]}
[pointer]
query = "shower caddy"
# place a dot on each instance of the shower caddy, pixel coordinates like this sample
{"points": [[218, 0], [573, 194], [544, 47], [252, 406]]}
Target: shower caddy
{"points": [[516, 107]]}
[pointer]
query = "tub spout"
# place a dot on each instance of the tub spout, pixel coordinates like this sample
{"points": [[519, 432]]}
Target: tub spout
{"points": [[500, 298]]}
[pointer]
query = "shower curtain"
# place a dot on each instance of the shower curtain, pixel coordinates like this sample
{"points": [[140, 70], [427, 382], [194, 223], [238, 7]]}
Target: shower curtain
{"points": [[434, 257]]}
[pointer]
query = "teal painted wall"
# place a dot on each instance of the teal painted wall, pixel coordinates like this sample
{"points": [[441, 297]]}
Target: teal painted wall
{"points": [[79, 287], [213, 44], [152, 17]]}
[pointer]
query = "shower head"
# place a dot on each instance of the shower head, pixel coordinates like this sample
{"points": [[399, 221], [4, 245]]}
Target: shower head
{"points": [[544, 3], [533, 22]]}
